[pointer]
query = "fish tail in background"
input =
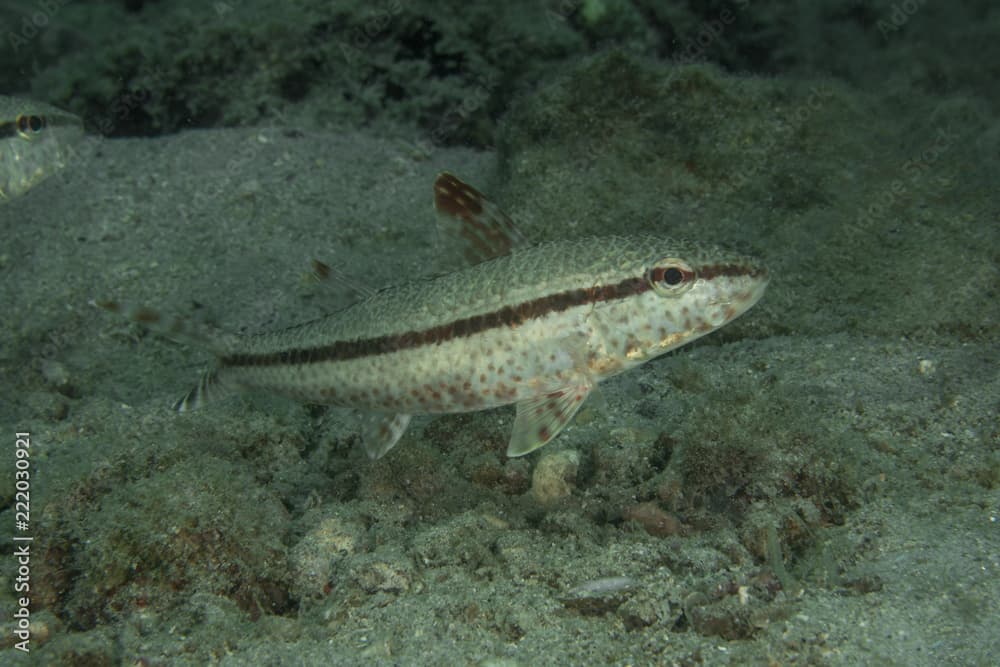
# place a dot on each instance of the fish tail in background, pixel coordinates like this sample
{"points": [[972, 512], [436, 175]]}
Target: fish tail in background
{"points": [[36, 141]]}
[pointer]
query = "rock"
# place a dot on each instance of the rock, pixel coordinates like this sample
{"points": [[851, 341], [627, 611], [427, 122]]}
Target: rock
{"points": [[316, 555], [656, 521], [555, 476]]}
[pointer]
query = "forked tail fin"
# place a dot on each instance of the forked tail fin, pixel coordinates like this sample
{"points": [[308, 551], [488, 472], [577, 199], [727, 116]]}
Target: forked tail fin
{"points": [[203, 392]]}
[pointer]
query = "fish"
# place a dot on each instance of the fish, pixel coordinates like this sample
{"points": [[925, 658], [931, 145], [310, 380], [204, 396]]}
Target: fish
{"points": [[36, 141], [535, 325]]}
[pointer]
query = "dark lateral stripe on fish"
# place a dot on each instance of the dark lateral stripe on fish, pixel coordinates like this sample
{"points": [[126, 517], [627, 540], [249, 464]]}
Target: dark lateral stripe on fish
{"points": [[731, 270], [506, 316]]}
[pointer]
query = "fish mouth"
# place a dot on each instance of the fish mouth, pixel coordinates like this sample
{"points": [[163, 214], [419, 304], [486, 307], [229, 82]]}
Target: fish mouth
{"points": [[748, 289], [749, 299]]}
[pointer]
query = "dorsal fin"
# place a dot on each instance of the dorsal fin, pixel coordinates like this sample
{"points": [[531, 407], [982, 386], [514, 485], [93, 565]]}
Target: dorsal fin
{"points": [[466, 213], [321, 272]]}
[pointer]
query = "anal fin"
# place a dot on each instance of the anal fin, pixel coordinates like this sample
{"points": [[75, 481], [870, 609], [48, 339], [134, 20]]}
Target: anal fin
{"points": [[539, 419]]}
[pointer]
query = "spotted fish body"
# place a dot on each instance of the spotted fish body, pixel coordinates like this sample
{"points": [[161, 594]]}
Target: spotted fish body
{"points": [[537, 326], [36, 141]]}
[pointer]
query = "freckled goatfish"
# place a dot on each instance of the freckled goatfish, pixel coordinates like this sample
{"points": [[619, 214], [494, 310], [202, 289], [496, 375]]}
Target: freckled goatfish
{"points": [[36, 141], [538, 326]]}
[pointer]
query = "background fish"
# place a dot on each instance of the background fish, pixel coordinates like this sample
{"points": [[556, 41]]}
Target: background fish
{"points": [[36, 141]]}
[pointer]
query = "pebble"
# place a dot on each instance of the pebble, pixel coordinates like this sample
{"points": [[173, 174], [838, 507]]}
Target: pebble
{"points": [[554, 477]]}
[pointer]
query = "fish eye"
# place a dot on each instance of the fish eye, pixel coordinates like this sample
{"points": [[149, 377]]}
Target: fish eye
{"points": [[30, 124], [670, 277]]}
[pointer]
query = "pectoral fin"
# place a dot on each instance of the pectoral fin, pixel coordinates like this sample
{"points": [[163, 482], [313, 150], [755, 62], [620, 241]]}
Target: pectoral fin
{"points": [[540, 419], [382, 432]]}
